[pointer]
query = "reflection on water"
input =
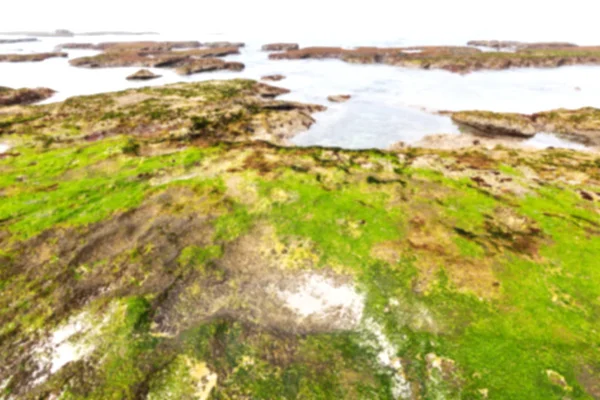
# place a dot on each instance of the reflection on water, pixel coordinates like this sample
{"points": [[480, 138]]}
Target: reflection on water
{"points": [[388, 104]]}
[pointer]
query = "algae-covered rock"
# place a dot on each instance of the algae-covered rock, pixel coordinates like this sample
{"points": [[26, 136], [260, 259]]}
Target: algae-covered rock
{"points": [[152, 247]]}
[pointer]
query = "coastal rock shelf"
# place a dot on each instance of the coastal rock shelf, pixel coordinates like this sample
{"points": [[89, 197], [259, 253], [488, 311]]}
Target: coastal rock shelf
{"points": [[454, 59], [187, 57], [152, 248], [582, 125], [228, 111]]}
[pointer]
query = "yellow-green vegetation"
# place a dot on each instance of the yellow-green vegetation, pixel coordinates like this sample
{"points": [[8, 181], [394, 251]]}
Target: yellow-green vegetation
{"points": [[170, 267]]}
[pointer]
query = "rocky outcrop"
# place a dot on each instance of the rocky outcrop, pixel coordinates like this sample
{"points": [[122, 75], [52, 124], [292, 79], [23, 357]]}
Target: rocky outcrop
{"points": [[454, 59], [227, 110], [208, 65], [153, 245], [339, 98], [150, 55], [581, 125], [13, 41], [11, 97], [280, 47], [143, 75], [496, 123], [273, 78], [34, 57]]}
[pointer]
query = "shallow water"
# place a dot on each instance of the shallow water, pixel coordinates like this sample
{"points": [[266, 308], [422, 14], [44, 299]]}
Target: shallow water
{"points": [[389, 104]]}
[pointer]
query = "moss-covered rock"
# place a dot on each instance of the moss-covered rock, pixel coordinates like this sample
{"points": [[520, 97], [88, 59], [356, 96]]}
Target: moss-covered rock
{"points": [[136, 266]]}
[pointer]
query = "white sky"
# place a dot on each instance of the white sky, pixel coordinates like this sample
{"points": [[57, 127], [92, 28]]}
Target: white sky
{"points": [[508, 19]]}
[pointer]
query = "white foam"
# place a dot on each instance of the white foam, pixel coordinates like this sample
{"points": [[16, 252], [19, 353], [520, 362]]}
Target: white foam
{"points": [[4, 148]]}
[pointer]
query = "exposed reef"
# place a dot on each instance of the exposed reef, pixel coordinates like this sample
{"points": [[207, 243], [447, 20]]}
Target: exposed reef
{"points": [[158, 243], [186, 57], [229, 111], [582, 125], [453, 59]]}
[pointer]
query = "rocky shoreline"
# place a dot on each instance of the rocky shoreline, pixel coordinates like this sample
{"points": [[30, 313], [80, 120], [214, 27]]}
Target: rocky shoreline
{"points": [[453, 59], [187, 57], [157, 243], [582, 125]]}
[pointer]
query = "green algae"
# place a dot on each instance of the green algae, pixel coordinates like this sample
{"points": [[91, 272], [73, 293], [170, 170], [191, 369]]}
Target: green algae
{"points": [[502, 283]]}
